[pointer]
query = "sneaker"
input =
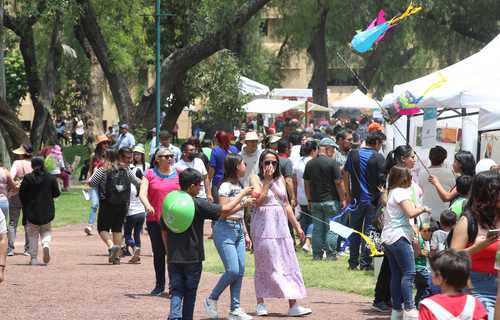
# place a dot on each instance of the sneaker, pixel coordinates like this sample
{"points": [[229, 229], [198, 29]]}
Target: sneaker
{"points": [[125, 252], [136, 258], [380, 307], [396, 315], [116, 260], [410, 314], [10, 253], [239, 314], [88, 230], [157, 291], [26, 253], [114, 252], [261, 310], [298, 311], [211, 308], [46, 255], [306, 248], [34, 262]]}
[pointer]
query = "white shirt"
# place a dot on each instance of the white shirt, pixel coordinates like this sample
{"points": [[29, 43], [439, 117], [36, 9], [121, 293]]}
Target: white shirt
{"points": [[295, 154], [396, 223], [59, 165], [252, 163], [298, 172], [199, 166], [438, 240], [135, 206], [230, 190], [430, 195], [3, 224]]}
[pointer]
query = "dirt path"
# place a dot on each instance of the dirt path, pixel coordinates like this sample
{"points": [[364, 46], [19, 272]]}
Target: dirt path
{"points": [[80, 284]]}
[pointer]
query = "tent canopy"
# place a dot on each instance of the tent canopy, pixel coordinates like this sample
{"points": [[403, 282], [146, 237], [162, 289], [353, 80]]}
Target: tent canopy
{"points": [[251, 87], [357, 100], [277, 106], [465, 83]]}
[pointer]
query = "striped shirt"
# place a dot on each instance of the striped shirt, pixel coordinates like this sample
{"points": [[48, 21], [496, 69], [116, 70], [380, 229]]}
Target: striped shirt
{"points": [[99, 177]]}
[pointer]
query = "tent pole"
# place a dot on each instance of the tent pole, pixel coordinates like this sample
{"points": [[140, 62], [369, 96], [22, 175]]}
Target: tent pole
{"points": [[478, 152], [306, 114], [408, 124]]}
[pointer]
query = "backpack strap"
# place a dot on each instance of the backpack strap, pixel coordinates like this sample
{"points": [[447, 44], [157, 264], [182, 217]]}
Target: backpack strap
{"points": [[469, 308], [437, 310]]}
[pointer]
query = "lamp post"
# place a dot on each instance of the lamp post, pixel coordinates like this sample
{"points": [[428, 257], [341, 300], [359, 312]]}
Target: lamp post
{"points": [[158, 15]]}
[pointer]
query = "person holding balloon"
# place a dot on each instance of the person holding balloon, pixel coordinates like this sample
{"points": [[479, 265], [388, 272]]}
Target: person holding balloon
{"points": [[230, 238], [277, 272], [184, 215], [156, 184]]}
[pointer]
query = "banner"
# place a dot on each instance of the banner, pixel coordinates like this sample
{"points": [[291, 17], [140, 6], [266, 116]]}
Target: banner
{"points": [[429, 127]]}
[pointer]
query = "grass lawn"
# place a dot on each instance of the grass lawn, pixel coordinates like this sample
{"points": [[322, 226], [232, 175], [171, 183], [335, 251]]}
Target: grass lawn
{"points": [[71, 208], [317, 274]]}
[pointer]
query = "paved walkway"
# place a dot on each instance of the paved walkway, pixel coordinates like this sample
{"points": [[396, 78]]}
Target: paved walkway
{"points": [[80, 284]]}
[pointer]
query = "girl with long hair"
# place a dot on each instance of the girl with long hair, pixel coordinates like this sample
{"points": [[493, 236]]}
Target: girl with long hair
{"points": [[230, 238], [277, 272], [397, 237], [464, 164], [471, 234]]}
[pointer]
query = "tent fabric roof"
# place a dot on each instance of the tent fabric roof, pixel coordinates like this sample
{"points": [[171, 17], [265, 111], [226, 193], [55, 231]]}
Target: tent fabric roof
{"points": [[251, 87], [357, 100], [277, 106]]}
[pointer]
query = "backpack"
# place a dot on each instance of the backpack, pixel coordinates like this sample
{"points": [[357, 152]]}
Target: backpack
{"points": [[116, 186]]}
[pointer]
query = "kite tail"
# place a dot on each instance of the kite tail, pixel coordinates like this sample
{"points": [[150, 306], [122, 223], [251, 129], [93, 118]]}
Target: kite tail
{"points": [[411, 10]]}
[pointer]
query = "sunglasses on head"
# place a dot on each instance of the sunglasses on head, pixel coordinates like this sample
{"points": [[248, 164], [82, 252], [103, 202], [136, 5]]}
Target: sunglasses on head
{"points": [[167, 156], [266, 163]]}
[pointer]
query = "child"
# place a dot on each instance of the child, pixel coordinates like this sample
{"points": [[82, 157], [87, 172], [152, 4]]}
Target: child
{"points": [[451, 271], [448, 219], [185, 250], [422, 274], [133, 223], [463, 184], [37, 192]]}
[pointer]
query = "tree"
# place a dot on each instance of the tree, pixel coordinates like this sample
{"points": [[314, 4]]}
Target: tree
{"points": [[174, 68]]}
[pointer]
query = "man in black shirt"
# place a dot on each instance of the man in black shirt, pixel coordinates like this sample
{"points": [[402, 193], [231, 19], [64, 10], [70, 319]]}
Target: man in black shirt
{"points": [[185, 250], [325, 191]]}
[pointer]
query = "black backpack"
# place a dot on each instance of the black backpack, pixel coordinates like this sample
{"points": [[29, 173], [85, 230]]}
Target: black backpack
{"points": [[116, 189]]}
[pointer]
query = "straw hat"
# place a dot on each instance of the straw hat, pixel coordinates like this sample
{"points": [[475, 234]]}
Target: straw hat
{"points": [[139, 148], [251, 136], [101, 138], [23, 149]]}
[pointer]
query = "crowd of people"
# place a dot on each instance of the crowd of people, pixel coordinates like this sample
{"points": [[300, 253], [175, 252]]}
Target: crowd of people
{"points": [[276, 193]]}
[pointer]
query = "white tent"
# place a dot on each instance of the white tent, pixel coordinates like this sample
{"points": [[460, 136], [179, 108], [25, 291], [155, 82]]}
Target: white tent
{"points": [[357, 100], [251, 87], [276, 106]]}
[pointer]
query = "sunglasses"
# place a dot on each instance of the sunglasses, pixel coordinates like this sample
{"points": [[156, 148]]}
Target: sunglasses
{"points": [[168, 156], [266, 163]]}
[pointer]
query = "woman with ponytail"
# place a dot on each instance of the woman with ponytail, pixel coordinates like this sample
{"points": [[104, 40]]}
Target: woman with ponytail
{"points": [[219, 154]]}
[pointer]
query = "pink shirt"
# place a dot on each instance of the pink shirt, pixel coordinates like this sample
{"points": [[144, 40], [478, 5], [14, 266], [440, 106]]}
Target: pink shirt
{"points": [[159, 186], [20, 168]]}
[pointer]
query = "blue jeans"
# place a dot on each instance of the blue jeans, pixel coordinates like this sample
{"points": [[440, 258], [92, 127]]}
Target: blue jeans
{"points": [[4, 206], [484, 287], [94, 205], [322, 238], [184, 280], [361, 219], [306, 222], [423, 281], [134, 223], [230, 243], [402, 265]]}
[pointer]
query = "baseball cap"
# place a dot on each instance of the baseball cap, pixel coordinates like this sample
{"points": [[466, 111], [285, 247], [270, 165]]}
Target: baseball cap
{"points": [[328, 142]]}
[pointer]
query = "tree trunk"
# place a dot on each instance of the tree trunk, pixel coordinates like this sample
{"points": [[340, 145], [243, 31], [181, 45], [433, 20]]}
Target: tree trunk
{"points": [[11, 128], [117, 82], [317, 52], [93, 113]]}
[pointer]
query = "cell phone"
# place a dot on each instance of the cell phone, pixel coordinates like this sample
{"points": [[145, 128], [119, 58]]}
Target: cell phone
{"points": [[493, 232]]}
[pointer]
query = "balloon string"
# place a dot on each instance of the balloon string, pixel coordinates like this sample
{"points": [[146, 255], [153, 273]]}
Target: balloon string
{"points": [[382, 109]]}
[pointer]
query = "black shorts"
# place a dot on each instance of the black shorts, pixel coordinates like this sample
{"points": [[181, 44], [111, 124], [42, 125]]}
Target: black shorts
{"points": [[111, 216]]}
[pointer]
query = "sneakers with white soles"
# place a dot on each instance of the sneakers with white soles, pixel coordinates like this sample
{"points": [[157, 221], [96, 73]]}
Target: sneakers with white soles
{"points": [[211, 308], [239, 314], [298, 311], [46, 255], [261, 310], [136, 258], [410, 314], [396, 315]]}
